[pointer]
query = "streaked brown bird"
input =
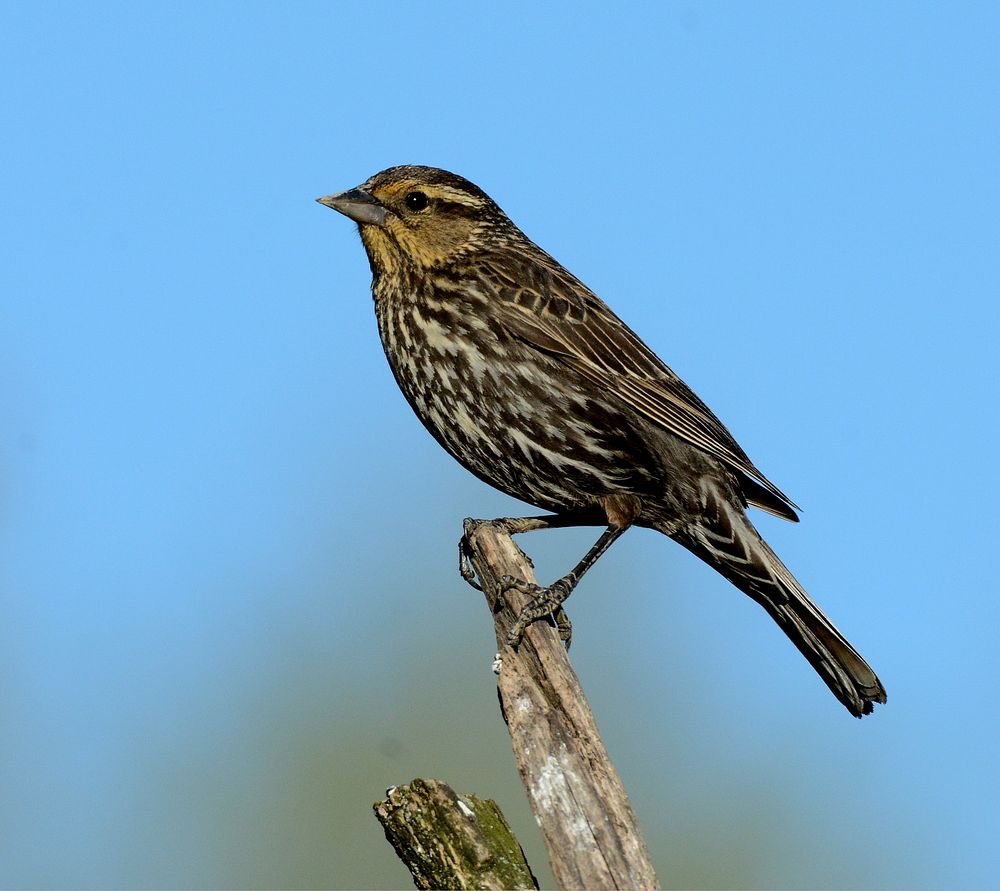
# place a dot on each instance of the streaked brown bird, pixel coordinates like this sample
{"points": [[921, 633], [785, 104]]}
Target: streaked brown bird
{"points": [[529, 380]]}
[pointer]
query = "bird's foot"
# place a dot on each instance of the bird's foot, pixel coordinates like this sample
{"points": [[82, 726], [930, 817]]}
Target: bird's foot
{"points": [[544, 602], [465, 567], [507, 525], [563, 625]]}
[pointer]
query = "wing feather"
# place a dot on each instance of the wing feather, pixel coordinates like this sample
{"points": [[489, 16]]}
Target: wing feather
{"points": [[556, 313]]}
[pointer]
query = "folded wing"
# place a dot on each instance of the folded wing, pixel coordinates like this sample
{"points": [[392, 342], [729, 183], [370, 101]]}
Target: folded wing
{"points": [[546, 307]]}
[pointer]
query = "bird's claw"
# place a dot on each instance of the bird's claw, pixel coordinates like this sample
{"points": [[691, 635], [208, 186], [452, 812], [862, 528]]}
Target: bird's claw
{"points": [[465, 567], [545, 602]]}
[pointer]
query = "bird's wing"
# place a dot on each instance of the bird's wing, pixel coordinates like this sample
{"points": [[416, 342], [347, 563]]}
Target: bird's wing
{"points": [[543, 305]]}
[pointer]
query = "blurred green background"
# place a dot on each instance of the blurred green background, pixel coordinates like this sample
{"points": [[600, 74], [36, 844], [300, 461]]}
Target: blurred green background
{"points": [[232, 615]]}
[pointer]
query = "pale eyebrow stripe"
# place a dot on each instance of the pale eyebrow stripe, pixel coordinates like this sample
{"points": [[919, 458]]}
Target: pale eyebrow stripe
{"points": [[456, 195]]}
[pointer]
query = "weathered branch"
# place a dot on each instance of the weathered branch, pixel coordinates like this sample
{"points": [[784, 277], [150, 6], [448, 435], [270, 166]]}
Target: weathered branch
{"points": [[452, 842], [586, 820]]}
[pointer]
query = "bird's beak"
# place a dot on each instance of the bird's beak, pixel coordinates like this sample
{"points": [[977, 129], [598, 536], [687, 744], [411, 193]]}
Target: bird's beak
{"points": [[358, 205]]}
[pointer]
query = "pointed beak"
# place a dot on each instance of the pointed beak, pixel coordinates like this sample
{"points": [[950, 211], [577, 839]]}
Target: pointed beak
{"points": [[359, 206]]}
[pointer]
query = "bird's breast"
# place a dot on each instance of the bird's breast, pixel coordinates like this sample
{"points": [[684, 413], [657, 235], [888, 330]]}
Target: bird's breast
{"points": [[512, 415]]}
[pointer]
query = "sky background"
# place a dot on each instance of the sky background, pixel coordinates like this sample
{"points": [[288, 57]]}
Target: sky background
{"points": [[231, 610]]}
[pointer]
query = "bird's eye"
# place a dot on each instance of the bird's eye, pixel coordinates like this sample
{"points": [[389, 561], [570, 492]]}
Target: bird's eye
{"points": [[416, 200]]}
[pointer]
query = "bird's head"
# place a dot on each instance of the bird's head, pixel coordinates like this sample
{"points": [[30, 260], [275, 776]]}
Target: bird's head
{"points": [[419, 216]]}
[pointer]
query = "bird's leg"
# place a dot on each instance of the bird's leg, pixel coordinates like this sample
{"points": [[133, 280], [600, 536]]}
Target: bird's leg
{"points": [[548, 601], [516, 526]]}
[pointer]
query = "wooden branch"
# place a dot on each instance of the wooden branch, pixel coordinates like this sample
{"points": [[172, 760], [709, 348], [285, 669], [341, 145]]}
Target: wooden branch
{"points": [[447, 841], [579, 802]]}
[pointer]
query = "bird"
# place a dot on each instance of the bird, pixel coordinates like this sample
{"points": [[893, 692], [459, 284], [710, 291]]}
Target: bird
{"points": [[528, 379]]}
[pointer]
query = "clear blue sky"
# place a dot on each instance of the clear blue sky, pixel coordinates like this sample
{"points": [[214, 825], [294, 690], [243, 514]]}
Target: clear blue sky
{"points": [[231, 614]]}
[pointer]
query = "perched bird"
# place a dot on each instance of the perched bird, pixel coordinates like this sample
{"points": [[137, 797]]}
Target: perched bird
{"points": [[530, 381]]}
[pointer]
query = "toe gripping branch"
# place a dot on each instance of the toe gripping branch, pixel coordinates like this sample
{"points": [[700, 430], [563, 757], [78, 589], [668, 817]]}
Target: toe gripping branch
{"points": [[545, 601]]}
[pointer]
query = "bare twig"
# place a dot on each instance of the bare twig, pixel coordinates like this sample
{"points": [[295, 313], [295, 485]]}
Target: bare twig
{"points": [[587, 822], [447, 841]]}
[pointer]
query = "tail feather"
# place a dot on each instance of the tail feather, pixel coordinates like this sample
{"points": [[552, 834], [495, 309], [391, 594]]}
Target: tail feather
{"points": [[729, 544]]}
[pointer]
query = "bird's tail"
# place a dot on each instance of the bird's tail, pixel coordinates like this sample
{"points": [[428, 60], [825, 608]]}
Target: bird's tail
{"points": [[728, 542]]}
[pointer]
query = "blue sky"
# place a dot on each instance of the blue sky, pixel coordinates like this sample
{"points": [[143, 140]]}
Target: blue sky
{"points": [[231, 611]]}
